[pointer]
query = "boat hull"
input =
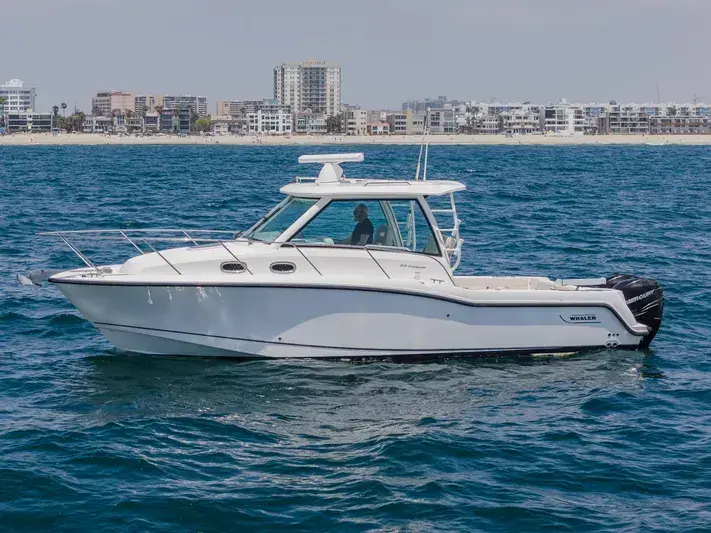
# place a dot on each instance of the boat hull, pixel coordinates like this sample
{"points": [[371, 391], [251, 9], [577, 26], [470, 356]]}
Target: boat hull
{"points": [[336, 322]]}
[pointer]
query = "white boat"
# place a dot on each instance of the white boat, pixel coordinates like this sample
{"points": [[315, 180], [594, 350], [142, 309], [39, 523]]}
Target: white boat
{"points": [[344, 268]]}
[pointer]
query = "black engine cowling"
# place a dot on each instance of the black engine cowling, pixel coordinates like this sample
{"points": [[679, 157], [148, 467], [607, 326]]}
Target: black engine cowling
{"points": [[644, 297]]}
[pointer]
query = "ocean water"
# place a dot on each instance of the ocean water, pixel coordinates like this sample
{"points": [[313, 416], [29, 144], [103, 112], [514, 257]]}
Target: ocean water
{"points": [[95, 439]]}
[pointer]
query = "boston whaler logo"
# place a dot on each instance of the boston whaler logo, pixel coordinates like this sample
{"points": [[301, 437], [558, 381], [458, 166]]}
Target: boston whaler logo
{"points": [[586, 318]]}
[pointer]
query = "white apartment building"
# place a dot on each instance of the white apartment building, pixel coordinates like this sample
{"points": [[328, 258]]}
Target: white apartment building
{"points": [[104, 103], [275, 123], [97, 124], [19, 97], [311, 123], [523, 121], [309, 86], [226, 124], [354, 121], [557, 118], [378, 128], [487, 124], [442, 121]]}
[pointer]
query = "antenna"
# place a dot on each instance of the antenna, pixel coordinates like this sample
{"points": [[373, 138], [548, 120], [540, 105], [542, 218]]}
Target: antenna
{"points": [[427, 146], [697, 99], [424, 145], [658, 100]]}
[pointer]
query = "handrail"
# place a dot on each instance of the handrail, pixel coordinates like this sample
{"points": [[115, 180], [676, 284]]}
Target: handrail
{"points": [[162, 257], [132, 230], [455, 251], [76, 250], [386, 182], [298, 249], [376, 262], [367, 248], [319, 245], [133, 243], [236, 258], [123, 235]]}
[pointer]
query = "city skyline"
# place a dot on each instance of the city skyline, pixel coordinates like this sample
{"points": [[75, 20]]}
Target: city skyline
{"points": [[389, 50], [208, 106]]}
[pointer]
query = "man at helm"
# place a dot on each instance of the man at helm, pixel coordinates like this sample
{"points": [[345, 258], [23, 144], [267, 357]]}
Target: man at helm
{"points": [[363, 231]]}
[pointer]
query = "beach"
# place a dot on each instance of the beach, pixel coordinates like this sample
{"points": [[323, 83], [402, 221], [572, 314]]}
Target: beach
{"points": [[99, 139]]}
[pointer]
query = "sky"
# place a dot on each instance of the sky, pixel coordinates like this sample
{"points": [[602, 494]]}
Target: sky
{"points": [[389, 50]]}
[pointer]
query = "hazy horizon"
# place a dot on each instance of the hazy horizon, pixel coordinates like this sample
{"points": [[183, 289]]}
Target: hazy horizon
{"points": [[389, 50]]}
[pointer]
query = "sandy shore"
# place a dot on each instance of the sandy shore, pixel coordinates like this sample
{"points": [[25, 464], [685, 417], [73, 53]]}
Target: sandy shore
{"points": [[97, 139]]}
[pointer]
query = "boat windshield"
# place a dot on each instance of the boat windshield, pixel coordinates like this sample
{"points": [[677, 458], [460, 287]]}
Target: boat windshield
{"points": [[281, 219]]}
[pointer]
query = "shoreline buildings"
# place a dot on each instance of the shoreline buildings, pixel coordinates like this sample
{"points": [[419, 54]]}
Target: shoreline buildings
{"points": [[19, 97], [18, 112], [307, 100], [515, 118], [107, 102]]}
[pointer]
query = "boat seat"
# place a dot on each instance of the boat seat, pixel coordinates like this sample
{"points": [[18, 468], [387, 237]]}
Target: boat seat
{"points": [[383, 236], [431, 246]]}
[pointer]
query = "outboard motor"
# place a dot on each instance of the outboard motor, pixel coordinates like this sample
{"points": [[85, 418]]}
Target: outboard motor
{"points": [[644, 297]]}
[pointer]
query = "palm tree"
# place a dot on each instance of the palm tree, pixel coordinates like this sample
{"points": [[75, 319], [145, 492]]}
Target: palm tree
{"points": [[129, 114], [3, 99], [159, 110], [64, 108], [55, 113], [176, 119], [78, 119], [142, 115]]}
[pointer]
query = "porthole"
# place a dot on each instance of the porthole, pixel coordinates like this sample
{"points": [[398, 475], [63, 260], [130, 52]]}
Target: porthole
{"points": [[282, 267], [232, 267]]}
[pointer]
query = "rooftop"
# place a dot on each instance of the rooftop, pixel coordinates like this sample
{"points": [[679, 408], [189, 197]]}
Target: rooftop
{"points": [[331, 182], [371, 188]]}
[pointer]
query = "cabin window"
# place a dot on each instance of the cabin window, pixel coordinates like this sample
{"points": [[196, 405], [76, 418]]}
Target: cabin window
{"points": [[417, 234], [281, 219], [388, 223], [232, 267], [282, 267]]}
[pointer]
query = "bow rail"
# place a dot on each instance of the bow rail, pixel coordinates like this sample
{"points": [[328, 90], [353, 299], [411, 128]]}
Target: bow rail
{"points": [[142, 236]]}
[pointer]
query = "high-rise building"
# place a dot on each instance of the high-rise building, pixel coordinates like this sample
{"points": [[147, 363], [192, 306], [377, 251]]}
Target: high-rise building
{"points": [[196, 104], [19, 97], [309, 86], [104, 103]]}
